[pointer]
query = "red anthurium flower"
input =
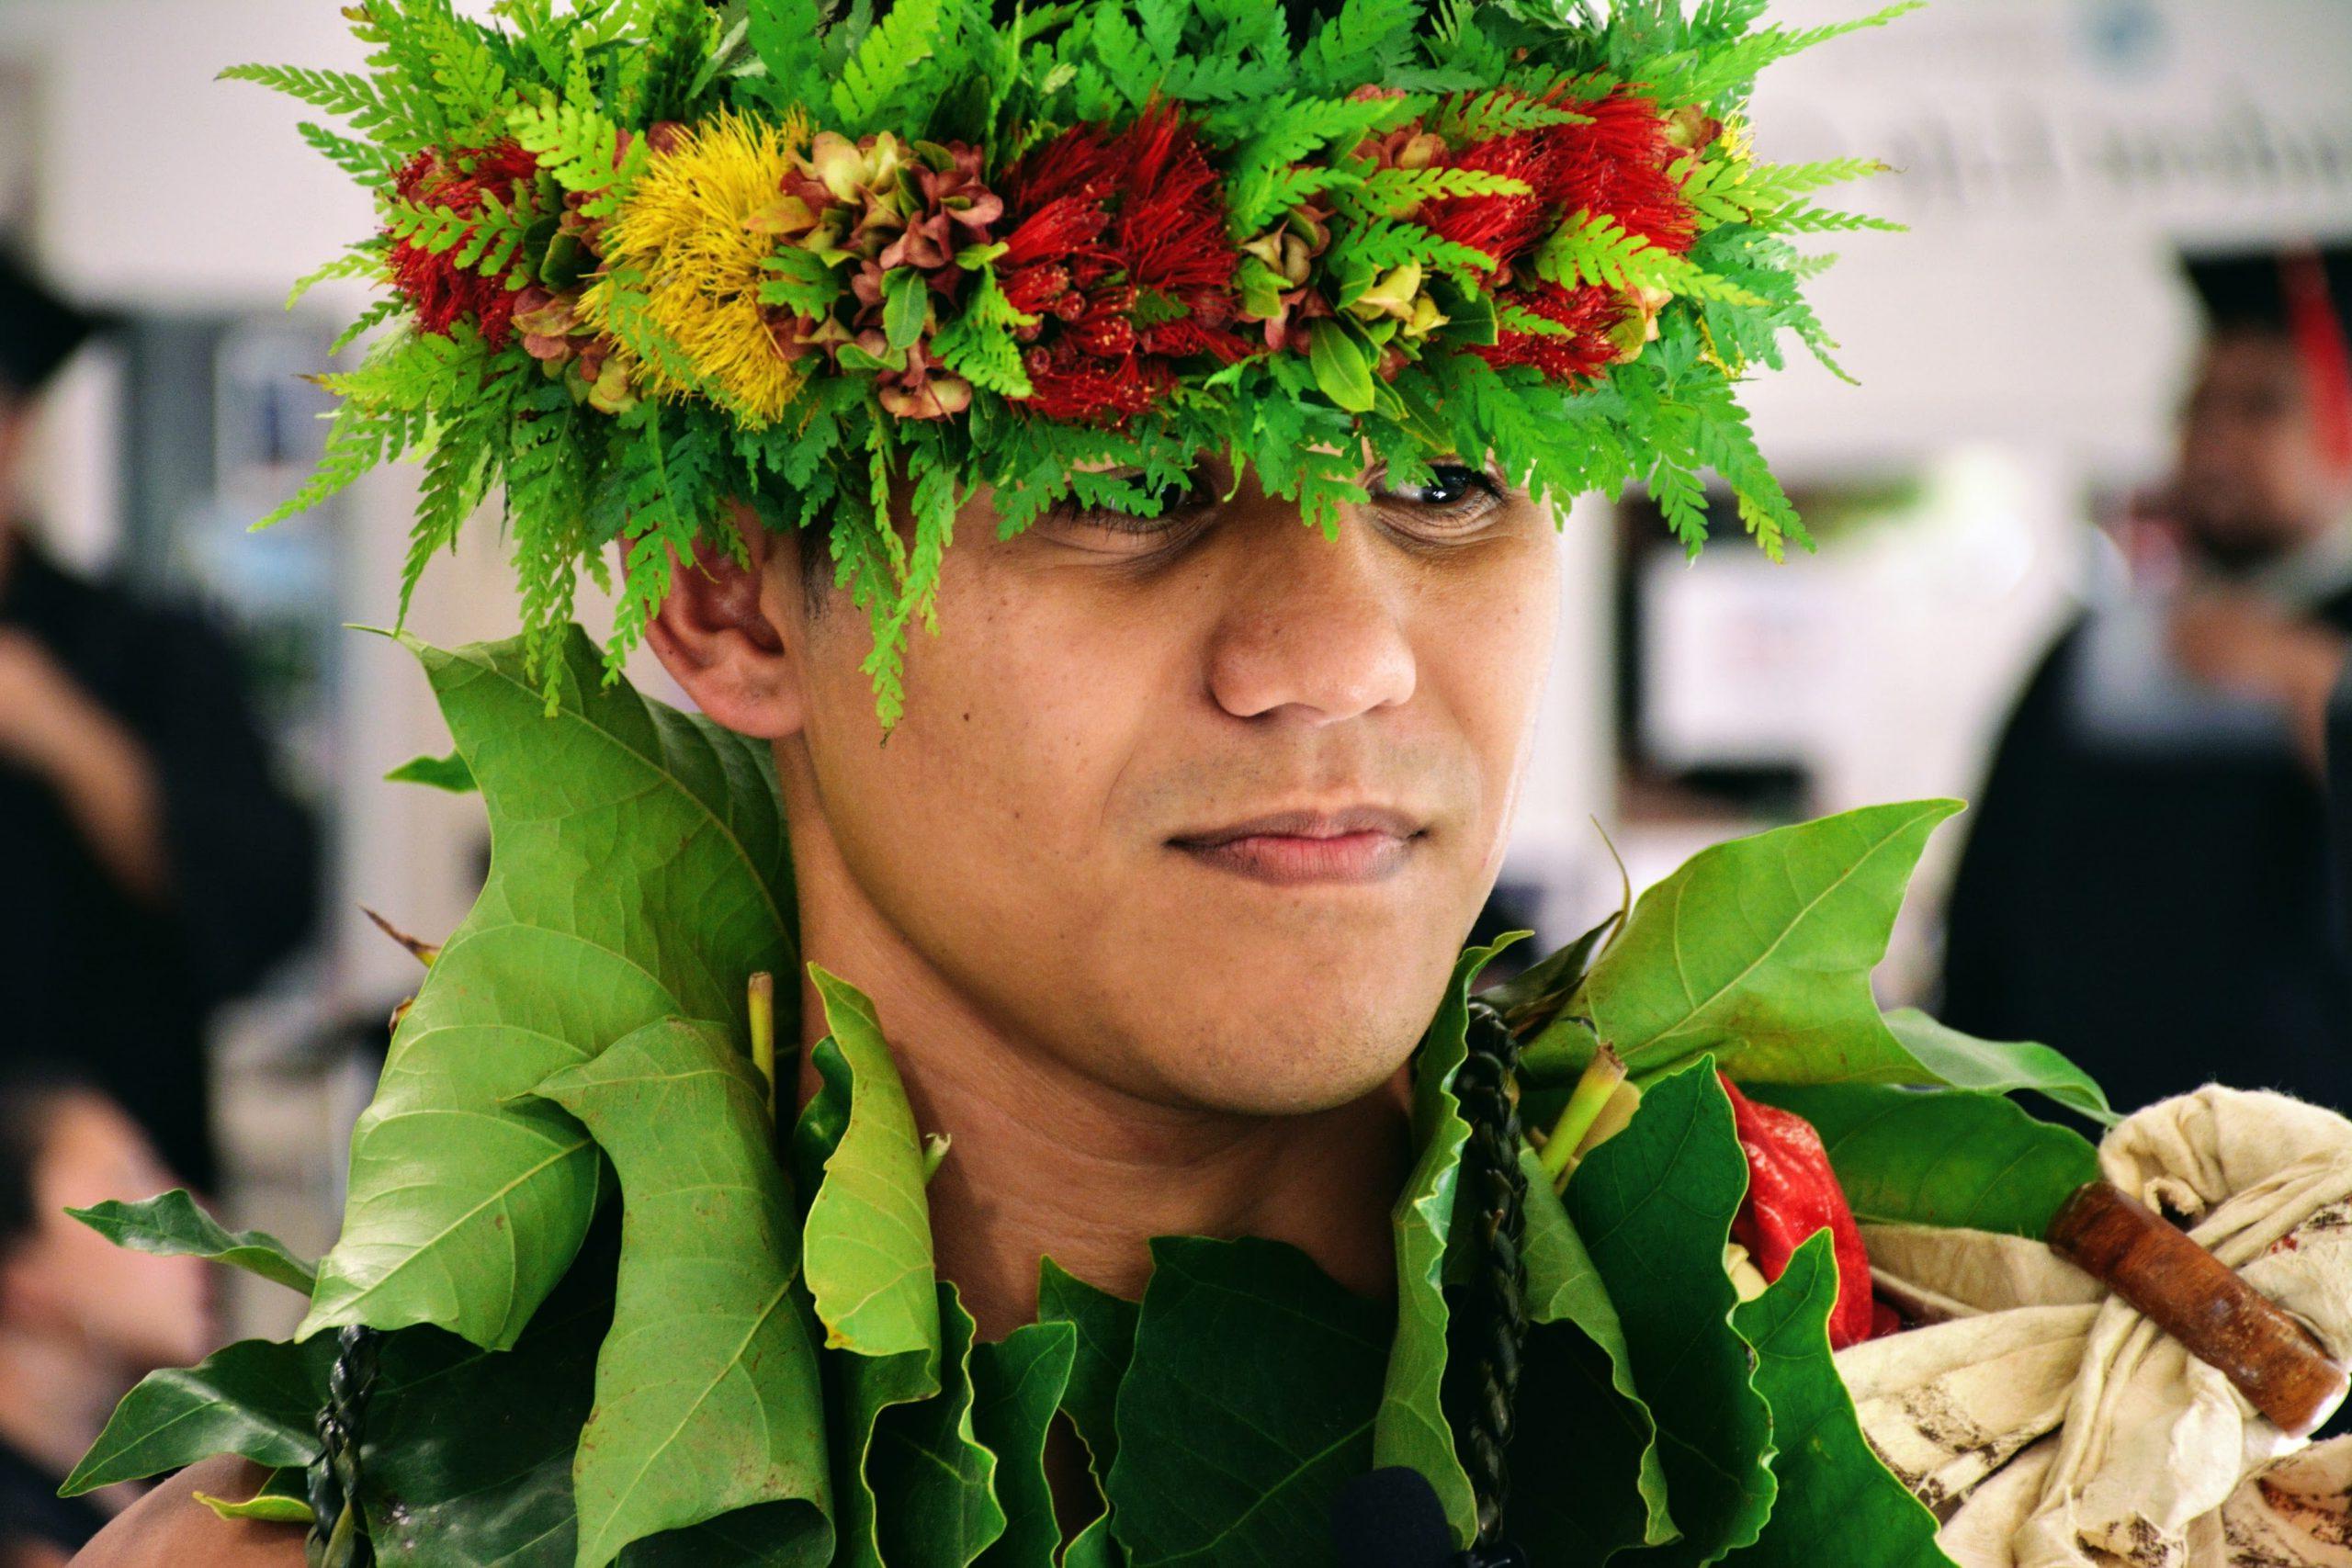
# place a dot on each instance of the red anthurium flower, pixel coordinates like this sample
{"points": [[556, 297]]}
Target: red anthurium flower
{"points": [[1118, 245], [442, 291]]}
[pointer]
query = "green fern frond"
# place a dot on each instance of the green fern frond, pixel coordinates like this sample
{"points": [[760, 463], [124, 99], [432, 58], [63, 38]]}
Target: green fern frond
{"points": [[1803, 217], [1395, 193], [884, 62], [1498, 111], [364, 163], [1364, 251], [1594, 248], [979, 344], [374, 316], [341, 92], [580, 147], [1364, 43], [356, 262]]}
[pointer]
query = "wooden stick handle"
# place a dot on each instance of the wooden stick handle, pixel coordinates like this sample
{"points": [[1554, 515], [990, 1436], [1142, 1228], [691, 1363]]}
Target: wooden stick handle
{"points": [[2200, 1300]]}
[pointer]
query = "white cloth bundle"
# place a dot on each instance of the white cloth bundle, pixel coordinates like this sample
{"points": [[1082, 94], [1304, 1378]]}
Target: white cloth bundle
{"points": [[2051, 1425]]}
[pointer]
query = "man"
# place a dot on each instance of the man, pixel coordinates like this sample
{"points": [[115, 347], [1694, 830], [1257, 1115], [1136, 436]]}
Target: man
{"points": [[154, 867], [2146, 885], [1179, 767]]}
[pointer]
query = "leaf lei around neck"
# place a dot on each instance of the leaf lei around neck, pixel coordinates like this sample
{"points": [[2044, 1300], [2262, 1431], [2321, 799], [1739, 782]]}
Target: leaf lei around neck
{"points": [[627, 1319]]}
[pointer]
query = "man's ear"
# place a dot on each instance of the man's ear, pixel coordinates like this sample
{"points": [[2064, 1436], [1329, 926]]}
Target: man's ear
{"points": [[717, 634]]}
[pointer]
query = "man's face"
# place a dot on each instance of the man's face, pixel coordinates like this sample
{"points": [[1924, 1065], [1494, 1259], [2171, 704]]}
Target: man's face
{"points": [[2254, 480], [1203, 806]]}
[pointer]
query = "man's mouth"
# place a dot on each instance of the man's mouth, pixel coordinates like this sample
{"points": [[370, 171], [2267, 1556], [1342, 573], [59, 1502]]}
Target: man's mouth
{"points": [[1290, 849]]}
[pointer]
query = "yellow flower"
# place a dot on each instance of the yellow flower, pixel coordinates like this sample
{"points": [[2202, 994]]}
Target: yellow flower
{"points": [[691, 228]]}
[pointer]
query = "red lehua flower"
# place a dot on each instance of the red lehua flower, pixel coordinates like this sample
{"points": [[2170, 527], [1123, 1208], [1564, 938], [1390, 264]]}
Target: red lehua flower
{"points": [[1615, 166], [1119, 246], [442, 291], [1582, 353], [1618, 165]]}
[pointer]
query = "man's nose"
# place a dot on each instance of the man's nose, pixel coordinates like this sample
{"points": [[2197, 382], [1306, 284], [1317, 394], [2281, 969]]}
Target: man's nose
{"points": [[1313, 629]]}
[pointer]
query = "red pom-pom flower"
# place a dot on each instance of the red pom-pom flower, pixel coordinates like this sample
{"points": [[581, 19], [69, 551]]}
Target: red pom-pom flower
{"points": [[443, 292], [1118, 247]]}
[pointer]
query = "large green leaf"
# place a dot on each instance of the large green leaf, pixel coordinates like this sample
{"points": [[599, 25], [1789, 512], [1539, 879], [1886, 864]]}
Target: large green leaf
{"points": [[1759, 951], [1249, 1404], [707, 1392], [257, 1397], [1942, 1156], [1105, 1347], [1654, 1205], [1563, 1286], [1838, 1503], [170, 1225], [934, 1481], [868, 1235], [469, 1452], [637, 871], [1017, 1385], [1411, 1428], [2003, 1066]]}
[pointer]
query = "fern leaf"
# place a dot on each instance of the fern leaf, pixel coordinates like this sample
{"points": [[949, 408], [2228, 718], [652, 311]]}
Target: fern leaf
{"points": [[979, 344], [884, 62], [1594, 248]]}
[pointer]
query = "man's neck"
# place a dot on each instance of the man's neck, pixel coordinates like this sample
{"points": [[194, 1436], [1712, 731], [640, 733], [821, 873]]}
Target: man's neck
{"points": [[1047, 1162]]}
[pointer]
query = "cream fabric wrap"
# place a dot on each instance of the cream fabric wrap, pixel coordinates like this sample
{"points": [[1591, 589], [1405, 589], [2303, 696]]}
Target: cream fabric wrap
{"points": [[2049, 1424]]}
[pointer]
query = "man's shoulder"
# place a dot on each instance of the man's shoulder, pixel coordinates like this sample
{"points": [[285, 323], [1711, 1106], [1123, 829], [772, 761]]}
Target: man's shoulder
{"points": [[169, 1528]]}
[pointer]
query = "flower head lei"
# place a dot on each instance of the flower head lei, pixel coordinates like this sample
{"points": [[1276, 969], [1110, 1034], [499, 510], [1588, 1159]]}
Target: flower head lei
{"points": [[645, 257]]}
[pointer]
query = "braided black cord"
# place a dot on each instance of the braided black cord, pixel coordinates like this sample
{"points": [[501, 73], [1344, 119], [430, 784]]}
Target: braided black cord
{"points": [[338, 1534], [1494, 1323]]}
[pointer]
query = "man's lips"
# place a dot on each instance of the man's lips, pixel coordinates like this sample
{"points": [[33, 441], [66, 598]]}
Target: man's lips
{"points": [[1289, 849]]}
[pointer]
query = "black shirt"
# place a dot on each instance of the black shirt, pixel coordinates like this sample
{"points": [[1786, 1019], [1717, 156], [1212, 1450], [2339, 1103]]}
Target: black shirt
{"points": [[2167, 921], [89, 974]]}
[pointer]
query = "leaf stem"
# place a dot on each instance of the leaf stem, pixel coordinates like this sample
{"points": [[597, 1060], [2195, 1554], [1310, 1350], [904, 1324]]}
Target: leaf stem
{"points": [[762, 1007], [1600, 1078]]}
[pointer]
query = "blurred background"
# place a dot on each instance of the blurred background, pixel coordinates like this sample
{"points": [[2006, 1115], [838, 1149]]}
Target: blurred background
{"points": [[2027, 354]]}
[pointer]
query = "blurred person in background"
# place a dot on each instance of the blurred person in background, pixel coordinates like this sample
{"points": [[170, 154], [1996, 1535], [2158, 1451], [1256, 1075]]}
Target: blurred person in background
{"points": [[150, 865], [81, 1320], [2146, 886]]}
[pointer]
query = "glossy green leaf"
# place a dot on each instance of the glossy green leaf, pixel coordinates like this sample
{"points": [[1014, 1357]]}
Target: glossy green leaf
{"points": [[257, 1397], [2002, 1067], [932, 1477], [707, 1392], [1533, 998], [170, 1225], [1249, 1404], [1411, 1428], [448, 773], [1838, 1503], [1017, 1385], [1104, 1348], [469, 1452], [868, 1234], [1342, 367], [1942, 1156], [1563, 1286], [637, 871], [1654, 1205], [1759, 951], [274, 1508]]}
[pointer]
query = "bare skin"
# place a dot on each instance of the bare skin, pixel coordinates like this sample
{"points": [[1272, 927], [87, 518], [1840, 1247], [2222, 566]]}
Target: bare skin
{"points": [[1131, 1018]]}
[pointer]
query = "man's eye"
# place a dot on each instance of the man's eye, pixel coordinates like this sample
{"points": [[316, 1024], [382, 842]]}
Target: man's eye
{"points": [[1450, 486], [1180, 504]]}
